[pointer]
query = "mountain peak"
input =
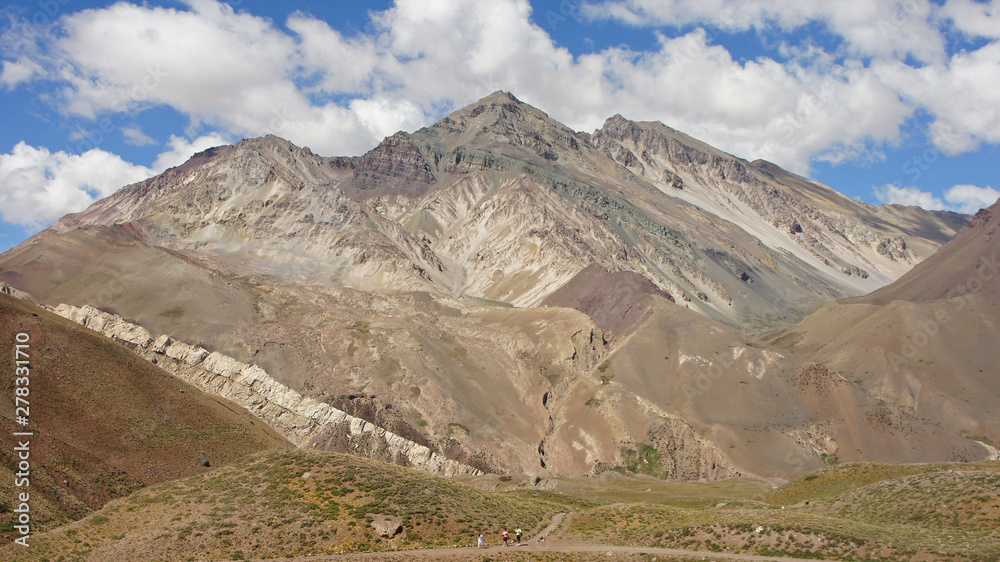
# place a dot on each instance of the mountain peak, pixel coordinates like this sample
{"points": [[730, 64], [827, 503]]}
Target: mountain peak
{"points": [[272, 143], [500, 96], [501, 122], [497, 106]]}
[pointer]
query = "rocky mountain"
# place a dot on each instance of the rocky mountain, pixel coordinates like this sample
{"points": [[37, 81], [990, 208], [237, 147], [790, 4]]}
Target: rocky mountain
{"points": [[511, 294], [927, 342], [499, 201]]}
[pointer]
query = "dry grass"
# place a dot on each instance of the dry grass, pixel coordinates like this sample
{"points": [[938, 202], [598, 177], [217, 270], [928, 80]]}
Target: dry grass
{"points": [[858, 511], [293, 504], [842, 478], [611, 487], [287, 504]]}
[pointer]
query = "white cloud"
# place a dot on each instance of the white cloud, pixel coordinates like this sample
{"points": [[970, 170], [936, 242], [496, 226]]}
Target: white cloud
{"points": [[232, 71], [882, 28], [384, 116], [970, 198], [135, 137], [18, 72], [960, 198], [38, 186], [975, 19], [339, 94], [893, 195], [962, 94], [960, 91]]}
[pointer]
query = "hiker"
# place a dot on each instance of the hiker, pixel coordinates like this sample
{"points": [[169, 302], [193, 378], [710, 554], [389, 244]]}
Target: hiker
{"points": [[505, 537], [517, 534], [481, 541]]}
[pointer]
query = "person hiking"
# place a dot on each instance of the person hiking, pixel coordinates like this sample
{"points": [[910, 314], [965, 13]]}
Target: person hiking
{"points": [[505, 537], [517, 534], [481, 541]]}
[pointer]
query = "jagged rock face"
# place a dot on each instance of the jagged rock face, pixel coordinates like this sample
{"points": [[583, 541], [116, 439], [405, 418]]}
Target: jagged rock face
{"points": [[394, 167], [404, 286], [502, 123], [831, 232], [498, 201], [300, 419]]}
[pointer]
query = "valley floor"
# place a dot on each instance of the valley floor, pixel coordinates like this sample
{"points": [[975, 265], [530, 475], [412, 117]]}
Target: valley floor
{"points": [[554, 553], [311, 506]]}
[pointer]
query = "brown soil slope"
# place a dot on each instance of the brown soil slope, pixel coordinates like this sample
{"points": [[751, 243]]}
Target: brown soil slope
{"points": [[702, 400], [616, 302], [928, 342], [105, 422], [967, 264]]}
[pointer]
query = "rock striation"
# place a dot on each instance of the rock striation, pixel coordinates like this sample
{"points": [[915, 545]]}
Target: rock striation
{"points": [[373, 304], [300, 419]]}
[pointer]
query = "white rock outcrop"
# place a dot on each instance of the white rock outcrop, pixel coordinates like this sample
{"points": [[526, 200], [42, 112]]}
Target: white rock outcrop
{"points": [[302, 420]]}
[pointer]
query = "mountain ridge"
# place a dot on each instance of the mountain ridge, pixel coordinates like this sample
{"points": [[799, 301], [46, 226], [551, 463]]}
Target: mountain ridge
{"points": [[406, 287]]}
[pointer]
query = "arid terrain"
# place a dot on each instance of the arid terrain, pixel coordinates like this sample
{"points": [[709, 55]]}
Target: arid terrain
{"points": [[106, 422], [514, 295], [308, 506], [628, 329]]}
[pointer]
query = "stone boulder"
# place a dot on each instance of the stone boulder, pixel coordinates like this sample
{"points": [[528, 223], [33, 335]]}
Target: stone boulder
{"points": [[387, 526]]}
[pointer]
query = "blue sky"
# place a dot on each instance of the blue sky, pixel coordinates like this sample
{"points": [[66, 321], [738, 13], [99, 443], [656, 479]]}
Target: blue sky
{"points": [[885, 101]]}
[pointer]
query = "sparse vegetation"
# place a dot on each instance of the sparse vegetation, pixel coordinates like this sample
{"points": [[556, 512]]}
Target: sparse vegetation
{"points": [[286, 504], [864, 511], [326, 502], [643, 460]]}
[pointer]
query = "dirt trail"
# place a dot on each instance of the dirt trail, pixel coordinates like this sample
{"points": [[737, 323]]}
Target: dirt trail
{"points": [[610, 553], [548, 540], [557, 520]]}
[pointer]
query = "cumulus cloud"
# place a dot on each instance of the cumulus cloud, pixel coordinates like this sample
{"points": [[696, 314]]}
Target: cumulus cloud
{"points": [[135, 137], [340, 93], [14, 73], [960, 198], [37, 186], [960, 90], [228, 70], [893, 28], [963, 94], [970, 198], [240, 73], [973, 18], [910, 195]]}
